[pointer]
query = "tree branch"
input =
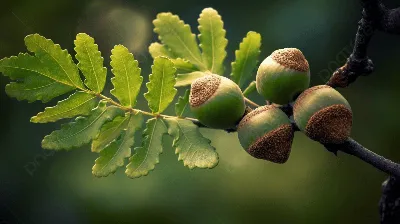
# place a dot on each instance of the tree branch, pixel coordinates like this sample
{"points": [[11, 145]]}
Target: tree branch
{"points": [[375, 16], [389, 205], [353, 148]]}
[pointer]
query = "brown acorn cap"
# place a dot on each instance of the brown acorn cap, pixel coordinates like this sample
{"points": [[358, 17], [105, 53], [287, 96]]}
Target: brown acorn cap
{"points": [[203, 88], [330, 125], [275, 146], [291, 58]]}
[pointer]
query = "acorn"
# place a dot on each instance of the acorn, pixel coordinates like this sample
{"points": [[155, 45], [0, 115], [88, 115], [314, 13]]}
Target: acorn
{"points": [[283, 75], [323, 114], [216, 101], [266, 133]]}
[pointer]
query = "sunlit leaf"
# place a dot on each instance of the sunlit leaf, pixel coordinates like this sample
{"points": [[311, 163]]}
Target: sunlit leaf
{"points": [[147, 156], [178, 37], [34, 80], [109, 132], [212, 40], [127, 80], [182, 104], [58, 61], [82, 130], [90, 62], [246, 59], [188, 78], [161, 89], [79, 103], [182, 65], [191, 146], [113, 156]]}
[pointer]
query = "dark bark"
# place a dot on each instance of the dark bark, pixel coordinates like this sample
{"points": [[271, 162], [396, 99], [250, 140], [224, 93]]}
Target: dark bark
{"points": [[389, 205], [375, 16], [353, 148]]}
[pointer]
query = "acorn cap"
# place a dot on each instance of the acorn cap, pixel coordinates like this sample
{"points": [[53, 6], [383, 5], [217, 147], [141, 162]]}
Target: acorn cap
{"points": [[203, 88], [266, 133], [216, 101], [323, 114], [283, 75], [291, 58]]}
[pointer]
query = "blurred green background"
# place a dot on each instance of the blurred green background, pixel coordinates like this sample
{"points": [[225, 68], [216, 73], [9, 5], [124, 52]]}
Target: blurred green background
{"points": [[314, 186]]}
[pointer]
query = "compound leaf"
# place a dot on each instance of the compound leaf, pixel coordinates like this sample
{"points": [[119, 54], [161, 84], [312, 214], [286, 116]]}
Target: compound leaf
{"points": [[79, 103], [109, 131], [90, 62], [161, 89], [114, 154], [178, 37], [34, 79], [147, 156], [83, 130], [193, 148], [182, 104], [187, 78], [246, 58], [182, 65], [127, 80], [58, 61], [212, 40]]}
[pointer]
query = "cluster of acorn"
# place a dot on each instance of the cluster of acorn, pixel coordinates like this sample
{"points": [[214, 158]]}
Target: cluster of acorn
{"points": [[321, 112]]}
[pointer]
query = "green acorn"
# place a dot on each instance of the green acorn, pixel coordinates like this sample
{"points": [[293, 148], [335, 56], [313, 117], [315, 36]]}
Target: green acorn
{"points": [[266, 133], [216, 101], [323, 114], [283, 75]]}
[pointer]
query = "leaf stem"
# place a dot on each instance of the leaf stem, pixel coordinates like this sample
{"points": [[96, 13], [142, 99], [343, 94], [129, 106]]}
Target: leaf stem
{"points": [[248, 101], [129, 109]]}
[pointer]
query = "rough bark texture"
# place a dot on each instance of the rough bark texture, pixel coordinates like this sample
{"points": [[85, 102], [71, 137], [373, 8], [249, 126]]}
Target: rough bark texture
{"points": [[375, 17], [390, 201]]}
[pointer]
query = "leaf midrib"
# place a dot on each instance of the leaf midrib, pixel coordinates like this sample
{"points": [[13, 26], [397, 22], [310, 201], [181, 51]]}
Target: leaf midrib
{"points": [[182, 42], [83, 129], [58, 63], [63, 112], [150, 142], [93, 69]]}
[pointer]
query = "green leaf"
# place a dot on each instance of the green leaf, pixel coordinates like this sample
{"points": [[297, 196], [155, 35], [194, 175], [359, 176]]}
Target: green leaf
{"points": [[178, 37], [193, 148], [90, 62], [147, 156], [246, 59], [113, 155], [161, 85], [182, 104], [212, 40], [182, 65], [34, 80], [127, 80], [58, 61], [250, 89], [83, 130], [79, 103], [109, 131], [188, 78]]}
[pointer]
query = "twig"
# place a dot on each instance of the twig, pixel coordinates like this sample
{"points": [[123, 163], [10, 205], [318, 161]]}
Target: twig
{"points": [[353, 148], [375, 16]]}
